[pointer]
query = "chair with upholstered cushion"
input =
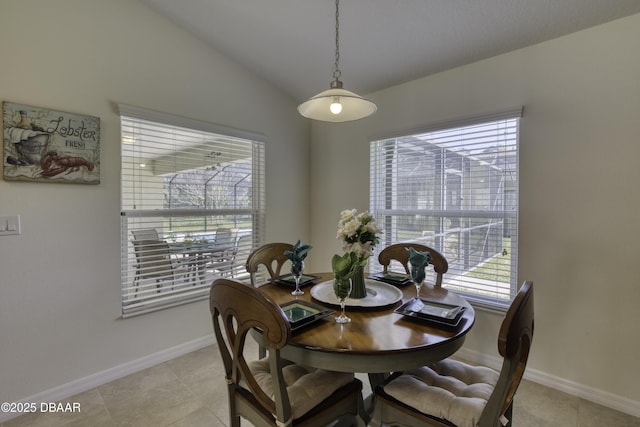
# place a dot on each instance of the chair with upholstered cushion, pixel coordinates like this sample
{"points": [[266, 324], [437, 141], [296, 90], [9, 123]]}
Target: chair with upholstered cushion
{"points": [[398, 252], [272, 391], [271, 256], [453, 393]]}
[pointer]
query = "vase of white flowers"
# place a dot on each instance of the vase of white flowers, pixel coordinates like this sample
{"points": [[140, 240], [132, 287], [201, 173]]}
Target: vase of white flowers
{"points": [[359, 234]]}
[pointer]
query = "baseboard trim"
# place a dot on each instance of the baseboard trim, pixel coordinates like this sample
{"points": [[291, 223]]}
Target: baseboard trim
{"points": [[64, 391], [80, 385], [601, 397]]}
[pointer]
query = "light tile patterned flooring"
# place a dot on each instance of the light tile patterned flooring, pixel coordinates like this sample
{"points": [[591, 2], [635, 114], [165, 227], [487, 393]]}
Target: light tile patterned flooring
{"points": [[190, 391]]}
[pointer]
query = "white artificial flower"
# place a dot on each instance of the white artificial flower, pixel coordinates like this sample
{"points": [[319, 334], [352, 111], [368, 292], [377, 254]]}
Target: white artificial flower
{"points": [[367, 249], [347, 215], [354, 247], [350, 227], [372, 228]]}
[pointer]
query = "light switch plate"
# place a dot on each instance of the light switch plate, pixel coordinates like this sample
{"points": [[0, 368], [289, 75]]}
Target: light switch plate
{"points": [[9, 225]]}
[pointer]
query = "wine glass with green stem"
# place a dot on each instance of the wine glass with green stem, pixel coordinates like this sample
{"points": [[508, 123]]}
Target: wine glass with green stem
{"points": [[296, 271], [418, 262], [297, 255], [342, 289]]}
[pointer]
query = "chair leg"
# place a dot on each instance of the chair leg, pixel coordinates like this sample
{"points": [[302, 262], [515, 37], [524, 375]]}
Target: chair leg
{"points": [[508, 414], [234, 418], [363, 418], [376, 417]]}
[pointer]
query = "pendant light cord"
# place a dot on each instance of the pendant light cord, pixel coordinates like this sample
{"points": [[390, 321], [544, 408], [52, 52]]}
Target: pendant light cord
{"points": [[336, 67]]}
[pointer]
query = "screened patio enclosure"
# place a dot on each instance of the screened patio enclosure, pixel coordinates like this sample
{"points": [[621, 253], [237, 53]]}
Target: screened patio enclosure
{"points": [[456, 191], [192, 210], [220, 188]]}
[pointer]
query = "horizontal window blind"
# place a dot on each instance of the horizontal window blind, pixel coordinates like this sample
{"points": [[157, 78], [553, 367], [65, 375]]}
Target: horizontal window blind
{"points": [[192, 207], [455, 189]]}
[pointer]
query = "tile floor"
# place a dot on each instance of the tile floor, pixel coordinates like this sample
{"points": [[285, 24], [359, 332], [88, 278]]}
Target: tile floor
{"points": [[190, 391]]}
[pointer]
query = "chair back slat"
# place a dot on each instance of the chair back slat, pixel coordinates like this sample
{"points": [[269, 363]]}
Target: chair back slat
{"points": [[145, 234], [398, 252], [271, 256], [237, 309]]}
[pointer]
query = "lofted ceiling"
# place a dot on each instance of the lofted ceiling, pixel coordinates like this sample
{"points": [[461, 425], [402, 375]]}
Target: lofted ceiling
{"points": [[291, 43]]}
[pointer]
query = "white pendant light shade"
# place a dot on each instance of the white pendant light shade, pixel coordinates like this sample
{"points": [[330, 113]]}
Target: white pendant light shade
{"points": [[337, 104], [354, 107]]}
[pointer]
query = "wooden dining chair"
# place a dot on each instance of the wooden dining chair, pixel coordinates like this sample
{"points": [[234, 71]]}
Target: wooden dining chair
{"points": [[271, 256], [272, 391], [452, 393], [398, 252]]}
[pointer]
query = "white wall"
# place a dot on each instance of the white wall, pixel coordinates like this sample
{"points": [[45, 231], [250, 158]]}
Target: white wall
{"points": [[60, 279], [579, 194]]}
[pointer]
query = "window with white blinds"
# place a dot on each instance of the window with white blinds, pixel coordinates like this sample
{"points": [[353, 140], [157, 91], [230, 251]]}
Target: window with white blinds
{"points": [[454, 187], [192, 207]]}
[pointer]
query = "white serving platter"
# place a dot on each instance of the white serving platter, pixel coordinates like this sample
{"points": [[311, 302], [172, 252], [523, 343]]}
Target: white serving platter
{"points": [[379, 294]]}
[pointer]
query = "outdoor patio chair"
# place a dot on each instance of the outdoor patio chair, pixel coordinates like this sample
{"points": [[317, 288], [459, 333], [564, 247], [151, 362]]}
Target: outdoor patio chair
{"points": [[154, 262], [145, 234]]}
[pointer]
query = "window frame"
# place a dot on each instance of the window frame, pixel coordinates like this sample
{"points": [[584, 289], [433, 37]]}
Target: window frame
{"points": [[386, 202], [149, 208]]}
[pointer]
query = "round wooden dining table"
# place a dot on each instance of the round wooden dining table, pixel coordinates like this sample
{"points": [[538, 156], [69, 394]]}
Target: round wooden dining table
{"points": [[377, 341]]}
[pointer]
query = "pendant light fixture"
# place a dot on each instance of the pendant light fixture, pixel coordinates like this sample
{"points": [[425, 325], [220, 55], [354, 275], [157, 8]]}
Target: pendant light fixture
{"points": [[337, 104]]}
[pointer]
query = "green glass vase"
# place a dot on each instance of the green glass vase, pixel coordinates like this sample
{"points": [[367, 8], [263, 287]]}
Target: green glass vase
{"points": [[358, 289]]}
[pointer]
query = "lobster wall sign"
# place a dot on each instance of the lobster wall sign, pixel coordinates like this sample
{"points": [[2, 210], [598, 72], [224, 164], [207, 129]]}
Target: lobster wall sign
{"points": [[50, 146]]}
